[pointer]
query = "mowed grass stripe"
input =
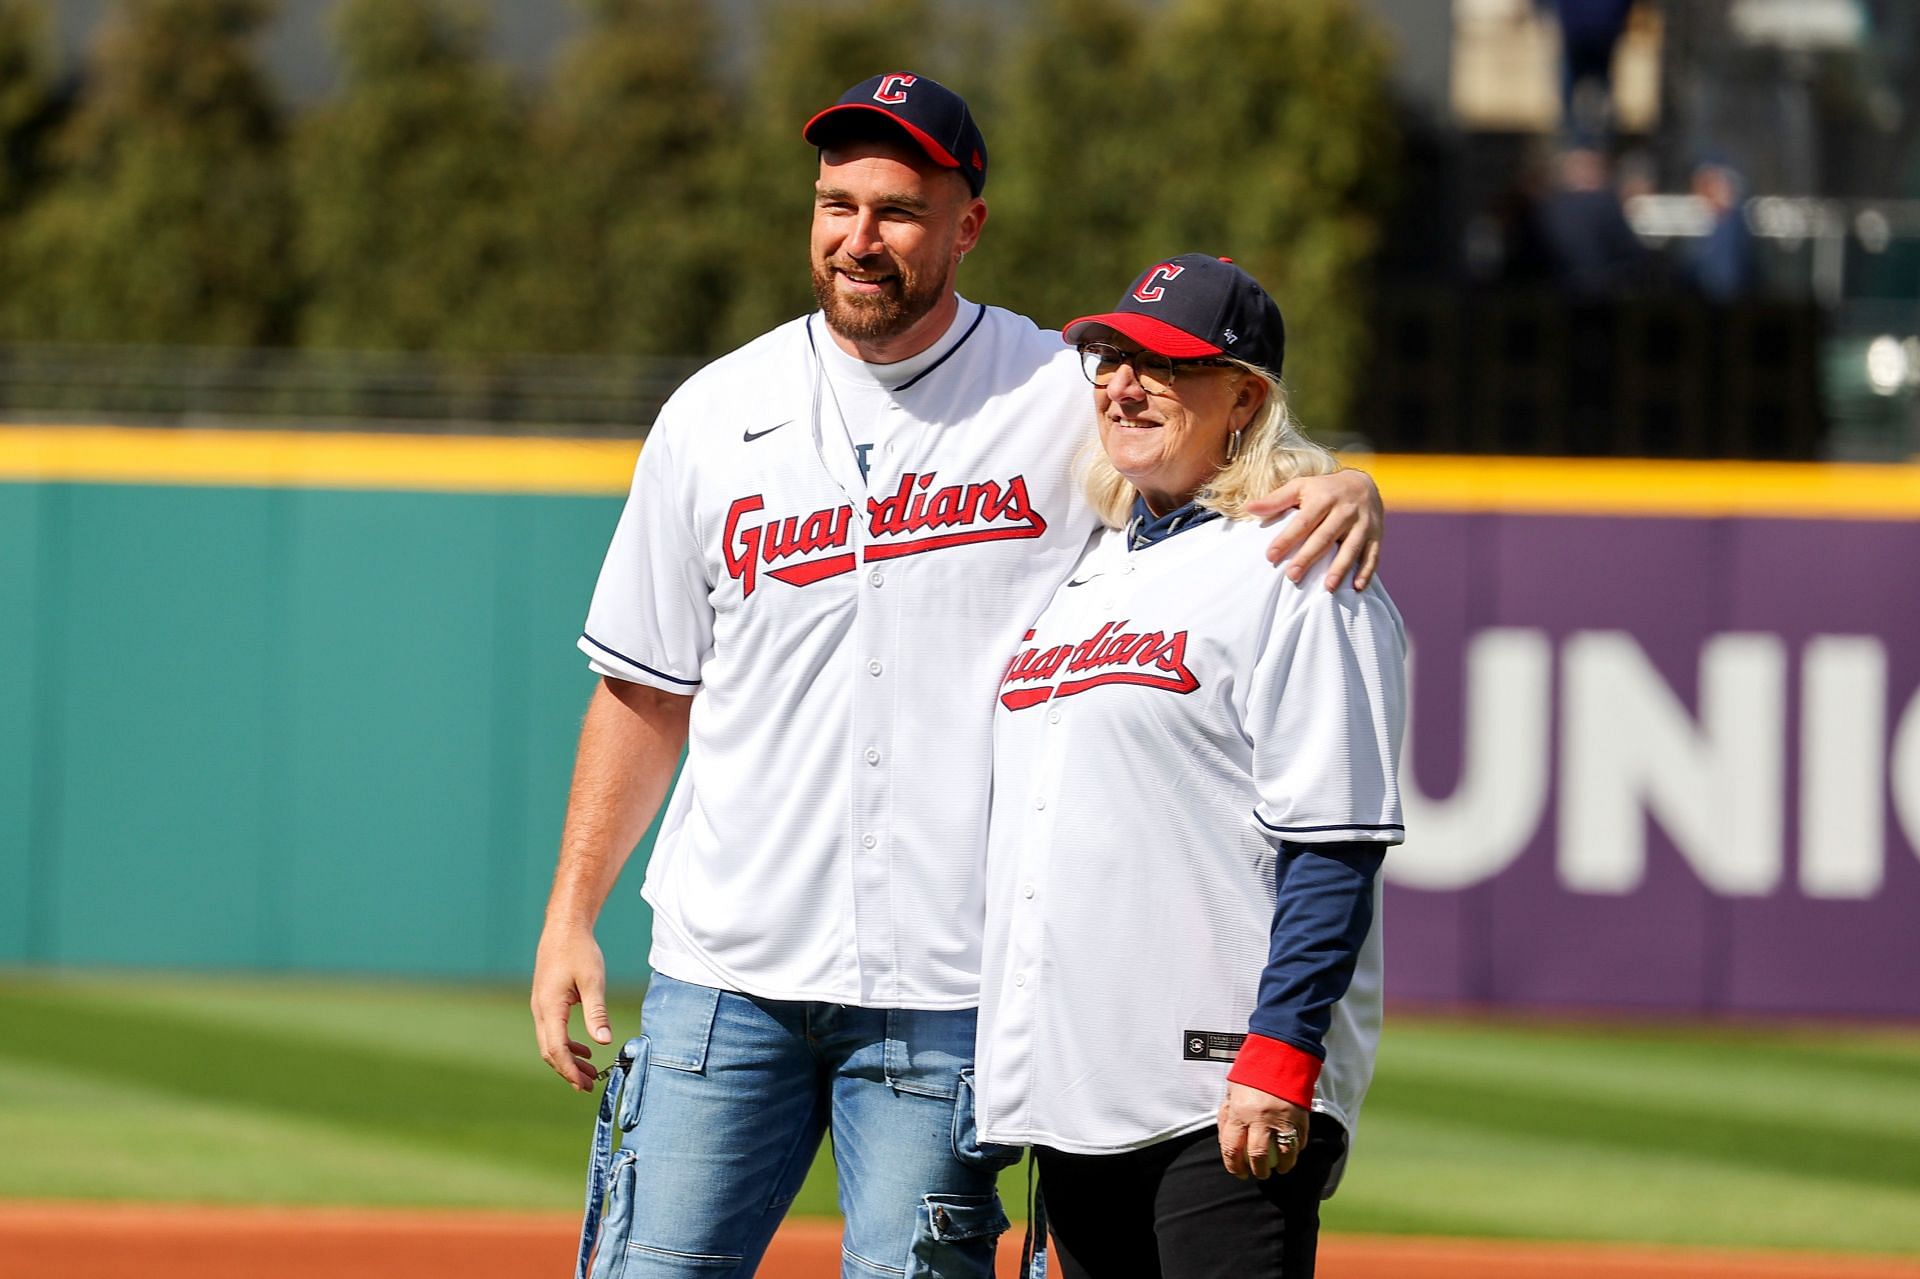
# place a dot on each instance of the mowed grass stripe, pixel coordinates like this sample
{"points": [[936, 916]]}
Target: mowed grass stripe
{"points": [[1731, 1105], [1680, 1053], [1788, 1138], [425, 1022], [292, 1091], [457, 1106], [446, 1076], [1428, 1176], [69, 1137]]}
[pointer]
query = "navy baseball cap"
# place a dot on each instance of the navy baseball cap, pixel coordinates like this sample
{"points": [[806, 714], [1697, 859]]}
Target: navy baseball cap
{"points": [[933, 116], [1194, 306]]}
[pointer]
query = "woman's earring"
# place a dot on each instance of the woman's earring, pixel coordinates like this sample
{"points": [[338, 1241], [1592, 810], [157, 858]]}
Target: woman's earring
{"points": [[1233, 446]]}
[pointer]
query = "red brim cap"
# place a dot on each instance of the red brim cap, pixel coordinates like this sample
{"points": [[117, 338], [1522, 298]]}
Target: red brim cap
{"points": [[935, 152], [927, 114], [1153, 335]]}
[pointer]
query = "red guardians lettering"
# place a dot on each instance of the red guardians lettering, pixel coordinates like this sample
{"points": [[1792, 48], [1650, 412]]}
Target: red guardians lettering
{"points": [[914, 519], [745, 546], [1111, 655], [919, 517]]}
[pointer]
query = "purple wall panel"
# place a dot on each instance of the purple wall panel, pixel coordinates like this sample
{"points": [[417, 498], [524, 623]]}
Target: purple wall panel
{"points": [[1788, 952], [1589, 574], [1437, 926], [1645, 950], [1704, 904], [1791, 955]]}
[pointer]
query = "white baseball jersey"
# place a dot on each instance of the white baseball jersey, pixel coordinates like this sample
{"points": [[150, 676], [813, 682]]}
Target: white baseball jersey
{"points": [[1176, 712], [838, 558]]}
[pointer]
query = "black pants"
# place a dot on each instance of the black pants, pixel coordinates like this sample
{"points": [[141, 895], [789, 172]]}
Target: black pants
{"points": [[1171, 1211]]}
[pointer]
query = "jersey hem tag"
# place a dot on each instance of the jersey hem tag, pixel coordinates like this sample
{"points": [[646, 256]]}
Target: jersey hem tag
{"points": [[1209, 1045]]}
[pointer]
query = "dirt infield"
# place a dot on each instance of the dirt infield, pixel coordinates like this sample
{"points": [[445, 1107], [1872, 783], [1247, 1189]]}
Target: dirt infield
{"points": [[96, 1241]]}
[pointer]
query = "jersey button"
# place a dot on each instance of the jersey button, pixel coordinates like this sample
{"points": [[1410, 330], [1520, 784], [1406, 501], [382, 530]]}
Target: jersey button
{"points": [[868, 841], [1026, 890], [873, 756], [1019, 979], [1053, 717], [875, 578], [874, 667], [1041, 802]]}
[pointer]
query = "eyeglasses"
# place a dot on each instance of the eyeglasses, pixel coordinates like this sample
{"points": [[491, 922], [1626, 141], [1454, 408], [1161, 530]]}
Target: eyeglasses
{"points": [[1101, 360]]}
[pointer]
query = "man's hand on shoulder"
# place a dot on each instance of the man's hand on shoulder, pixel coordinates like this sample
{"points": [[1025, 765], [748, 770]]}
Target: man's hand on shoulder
{"points": [[569, 969], [1343, 507]]}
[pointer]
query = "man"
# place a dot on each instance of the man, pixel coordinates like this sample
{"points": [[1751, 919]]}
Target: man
{"points": [[1725, 265], [835, 538], [1590, 30], [1596, 255]]}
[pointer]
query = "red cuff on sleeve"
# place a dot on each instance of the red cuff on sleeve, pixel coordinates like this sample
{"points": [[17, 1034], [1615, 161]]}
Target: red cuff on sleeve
{"points": [[1278, 1068]]}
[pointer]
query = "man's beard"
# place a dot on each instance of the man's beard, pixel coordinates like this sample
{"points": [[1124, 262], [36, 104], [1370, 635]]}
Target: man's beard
{"points": [[902, 302]]}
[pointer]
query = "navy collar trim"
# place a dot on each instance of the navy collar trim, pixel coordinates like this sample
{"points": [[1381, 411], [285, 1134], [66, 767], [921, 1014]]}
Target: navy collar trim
{"points": [[979, 314], [1144, 528]]}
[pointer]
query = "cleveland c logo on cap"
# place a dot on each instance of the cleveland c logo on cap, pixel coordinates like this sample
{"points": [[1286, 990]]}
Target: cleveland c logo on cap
{"points": [[1149, 291], [893, 88]]}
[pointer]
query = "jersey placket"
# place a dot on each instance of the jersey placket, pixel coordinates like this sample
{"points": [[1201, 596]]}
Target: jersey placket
{"points": [[1050, 745], [871, 759]]}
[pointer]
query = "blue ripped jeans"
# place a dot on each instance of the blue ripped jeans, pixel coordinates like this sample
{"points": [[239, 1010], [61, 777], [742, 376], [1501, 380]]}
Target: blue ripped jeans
{"points": [[727, 1100]]}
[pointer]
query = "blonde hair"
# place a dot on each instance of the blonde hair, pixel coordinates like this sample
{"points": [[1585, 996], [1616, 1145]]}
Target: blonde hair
{"points": [[1272, 451]]}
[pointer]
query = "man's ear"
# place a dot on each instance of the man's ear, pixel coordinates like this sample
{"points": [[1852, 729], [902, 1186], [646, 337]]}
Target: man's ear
{"points": [[973, 219]]}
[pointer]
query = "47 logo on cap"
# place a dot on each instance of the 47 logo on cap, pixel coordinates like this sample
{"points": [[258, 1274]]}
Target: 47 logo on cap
{"points": [[893, 88]]}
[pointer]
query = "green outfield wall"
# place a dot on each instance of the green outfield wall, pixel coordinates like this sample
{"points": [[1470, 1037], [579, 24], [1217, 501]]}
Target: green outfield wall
{"points": [[290, 727], [307, 700]]}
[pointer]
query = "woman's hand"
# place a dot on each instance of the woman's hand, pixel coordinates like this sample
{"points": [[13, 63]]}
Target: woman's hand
{"points": [[1343, 507], [1260, 1134]]}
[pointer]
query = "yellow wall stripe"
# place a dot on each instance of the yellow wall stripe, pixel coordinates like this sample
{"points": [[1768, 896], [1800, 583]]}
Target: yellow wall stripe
{"points": [[1631, 486], [481, 464], [315, 459]]}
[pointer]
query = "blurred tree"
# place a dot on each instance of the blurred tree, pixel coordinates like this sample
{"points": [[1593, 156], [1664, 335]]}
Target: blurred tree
{"points": [[1280, 157], [26, 97], [1072, 162], [664, 208], [416, 228], [168, 217], [26, 110], [810, 51], [629, 261]]}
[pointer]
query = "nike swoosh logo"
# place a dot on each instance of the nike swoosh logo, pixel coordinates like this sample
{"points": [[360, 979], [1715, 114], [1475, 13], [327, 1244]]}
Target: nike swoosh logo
{"points": [[749, 437], [1082, 582]]}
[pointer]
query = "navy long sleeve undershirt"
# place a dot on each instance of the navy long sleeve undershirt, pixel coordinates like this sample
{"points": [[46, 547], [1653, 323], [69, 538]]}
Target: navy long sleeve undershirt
{"points": [[1322, 913]]}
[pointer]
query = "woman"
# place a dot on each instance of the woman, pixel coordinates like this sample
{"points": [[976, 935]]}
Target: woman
{"points": [[1194, 785]]}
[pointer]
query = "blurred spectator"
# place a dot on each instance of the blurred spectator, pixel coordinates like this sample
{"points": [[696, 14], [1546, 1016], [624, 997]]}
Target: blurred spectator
{"points": [[1724, 267], [1589, 32], [1594, 252], [1505, 245], [1635, 174]]}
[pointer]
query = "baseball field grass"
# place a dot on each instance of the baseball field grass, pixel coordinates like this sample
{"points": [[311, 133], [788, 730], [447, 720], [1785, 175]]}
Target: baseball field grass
{"points": [[222, 1090]]}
